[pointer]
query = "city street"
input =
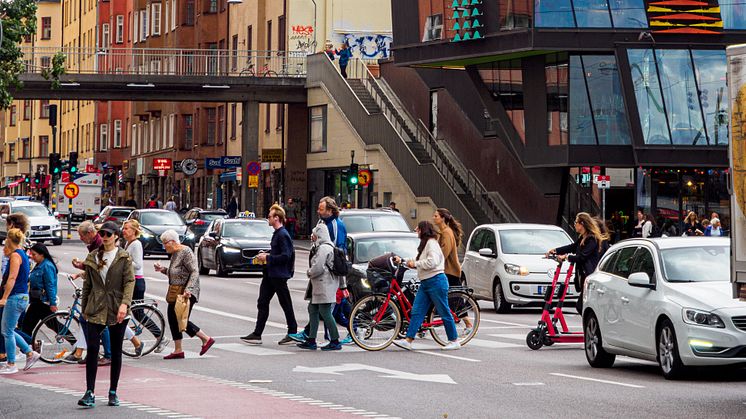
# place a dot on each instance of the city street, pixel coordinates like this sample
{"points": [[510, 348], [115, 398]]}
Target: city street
{"points": [[495, 375]]}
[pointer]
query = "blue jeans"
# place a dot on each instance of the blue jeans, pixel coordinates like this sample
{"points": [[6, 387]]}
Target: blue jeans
{"points": [[14, 307], [432, 291]]}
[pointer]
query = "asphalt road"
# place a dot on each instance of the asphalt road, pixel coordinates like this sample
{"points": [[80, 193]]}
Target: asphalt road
{"points": [[495, 375]]}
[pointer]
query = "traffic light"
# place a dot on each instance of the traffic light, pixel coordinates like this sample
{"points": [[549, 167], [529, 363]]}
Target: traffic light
{"points": [[55, 165], [37, 179], [72, 163], [352, 175], [27, 179]]}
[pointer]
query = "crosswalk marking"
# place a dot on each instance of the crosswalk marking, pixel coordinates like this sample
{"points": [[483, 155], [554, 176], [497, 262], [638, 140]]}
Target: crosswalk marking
{"points": [[250, 350], [492, 344]]}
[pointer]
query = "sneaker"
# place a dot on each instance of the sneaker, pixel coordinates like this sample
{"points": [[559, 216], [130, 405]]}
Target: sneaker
{"points": [[3, 363], [174, 355], [452, 346], [31, 360], [104, 361], [287, 340], [252, 338], [299, 337], [88, 399], [403, 343], [206, 347], [9, 369], [72, 359], [360, 333], [332, 346], [113, 399], [138, 350], [467, 331], [307, 344], [161, 346], [347, 340]]}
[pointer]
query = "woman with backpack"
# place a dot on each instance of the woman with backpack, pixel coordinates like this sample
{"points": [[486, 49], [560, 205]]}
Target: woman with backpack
{"points": [[649, 228]]}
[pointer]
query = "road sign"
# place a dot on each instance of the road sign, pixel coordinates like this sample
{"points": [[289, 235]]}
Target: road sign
{"points": [[189, 166], [603, 181], [273, 155], [253, 181], [364, 177], [71, 190], [253, 168], [162, 164]]}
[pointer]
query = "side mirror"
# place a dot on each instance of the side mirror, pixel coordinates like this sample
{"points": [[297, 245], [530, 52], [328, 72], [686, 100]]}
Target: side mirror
{"points": [[4, 216], [486, 252], [641, 280]]}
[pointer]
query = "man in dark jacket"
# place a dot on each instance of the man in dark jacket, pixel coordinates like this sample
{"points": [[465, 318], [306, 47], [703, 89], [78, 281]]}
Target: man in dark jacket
{"points": [[278, 269]]}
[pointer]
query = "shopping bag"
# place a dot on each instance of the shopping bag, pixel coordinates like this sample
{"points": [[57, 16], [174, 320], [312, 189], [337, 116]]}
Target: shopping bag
{"points": [[182, 311]]}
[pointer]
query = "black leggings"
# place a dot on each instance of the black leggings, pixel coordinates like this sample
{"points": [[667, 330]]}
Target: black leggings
{"points": [[36, 312], [93, 339], [173, 322], [453, 280]]}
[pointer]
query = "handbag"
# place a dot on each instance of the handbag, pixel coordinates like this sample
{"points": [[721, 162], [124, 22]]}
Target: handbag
{"points": [[182, 312], [173, 292]]}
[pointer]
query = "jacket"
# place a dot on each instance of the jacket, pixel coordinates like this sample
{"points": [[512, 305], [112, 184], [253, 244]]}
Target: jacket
{"points": [[708, 232], [323, 284], [447, 242], [344, 56], [585, 256], [44, 278], [100, 301], [337, 231], [431, 261], [281, 259]]}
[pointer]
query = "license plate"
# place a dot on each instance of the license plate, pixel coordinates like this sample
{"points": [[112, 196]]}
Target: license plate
{"points": [[37, 233], [540, 290]]}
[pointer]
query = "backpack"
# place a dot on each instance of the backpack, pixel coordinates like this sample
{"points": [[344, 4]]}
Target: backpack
{"points": [[340, 265], [655, 232], [152, 204]]}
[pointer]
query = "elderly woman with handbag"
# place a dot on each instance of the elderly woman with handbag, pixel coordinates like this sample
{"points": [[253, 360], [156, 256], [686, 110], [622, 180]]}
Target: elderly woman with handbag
{"points": [[183, 279]]}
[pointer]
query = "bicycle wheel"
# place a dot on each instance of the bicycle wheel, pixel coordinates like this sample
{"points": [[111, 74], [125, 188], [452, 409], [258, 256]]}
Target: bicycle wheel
{"points": [[58, 334], [269, 73], [465, 309], [368, 333], [148, 325]]}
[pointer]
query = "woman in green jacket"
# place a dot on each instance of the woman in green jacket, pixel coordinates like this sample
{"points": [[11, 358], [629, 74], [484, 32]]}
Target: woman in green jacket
{"points": [[107, 295]]}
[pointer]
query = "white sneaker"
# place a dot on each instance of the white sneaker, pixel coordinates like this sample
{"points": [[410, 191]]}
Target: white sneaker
{"points": [[8, 369], [31, 360], [164, 342], [403, 343], [452, 346]]}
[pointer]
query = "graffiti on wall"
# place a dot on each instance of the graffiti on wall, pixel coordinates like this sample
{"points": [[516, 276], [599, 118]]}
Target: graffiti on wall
{"points": [[301, 38], [368, 46]]}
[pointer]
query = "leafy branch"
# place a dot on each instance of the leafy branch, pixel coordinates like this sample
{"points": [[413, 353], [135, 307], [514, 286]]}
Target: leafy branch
{"points": [[19, 21]]}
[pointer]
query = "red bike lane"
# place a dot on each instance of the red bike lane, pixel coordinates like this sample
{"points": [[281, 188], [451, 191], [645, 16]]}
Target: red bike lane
{"points": [[187, 394]]}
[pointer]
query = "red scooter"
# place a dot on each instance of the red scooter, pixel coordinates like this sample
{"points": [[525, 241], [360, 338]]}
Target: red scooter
{"points": [[548, 332]]}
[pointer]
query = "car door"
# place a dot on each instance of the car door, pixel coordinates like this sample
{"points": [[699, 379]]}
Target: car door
{"points": [[471, 265], [488, 265], [209, 244], [637, 305], [611, 322]]}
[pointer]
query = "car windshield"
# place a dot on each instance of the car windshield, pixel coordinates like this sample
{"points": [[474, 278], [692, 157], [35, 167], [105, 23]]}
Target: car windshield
{"points": [[531, 241], [368, 223], [33, 211], [120, 213], [367, 249], [212, 216], [256, 230], [161, 218], [697, 264]]}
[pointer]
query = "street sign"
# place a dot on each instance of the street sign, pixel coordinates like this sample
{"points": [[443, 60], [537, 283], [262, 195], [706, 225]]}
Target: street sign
{"points": [[253, 168], [71, 190], [162, 164], [603, 181], [189, 166], [364, 177], [272, 155], [253, 181]]}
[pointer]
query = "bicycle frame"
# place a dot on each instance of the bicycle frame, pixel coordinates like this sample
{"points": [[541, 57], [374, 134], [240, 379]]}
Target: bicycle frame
{"points": [[396, 292]]}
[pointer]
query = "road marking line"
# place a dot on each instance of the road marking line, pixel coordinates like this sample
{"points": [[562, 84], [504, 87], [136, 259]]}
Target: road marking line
{"points": [[616, 383], [460, 358], [505, 323], [491, 344], [528, 384], [250, 350]]}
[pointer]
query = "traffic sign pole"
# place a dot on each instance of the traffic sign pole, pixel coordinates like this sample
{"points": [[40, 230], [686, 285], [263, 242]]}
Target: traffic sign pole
{"points": [[69, 218]]}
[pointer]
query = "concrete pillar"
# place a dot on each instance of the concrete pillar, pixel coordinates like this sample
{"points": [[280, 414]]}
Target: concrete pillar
{"points": [[249, 152]]}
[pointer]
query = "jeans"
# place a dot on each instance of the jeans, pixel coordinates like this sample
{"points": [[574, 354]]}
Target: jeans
{"points": [[432, 291], [93, 334], [268, 288], [325, 311], [14, 307]]}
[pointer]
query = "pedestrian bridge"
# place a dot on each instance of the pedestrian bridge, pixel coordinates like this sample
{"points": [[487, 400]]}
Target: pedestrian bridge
{"points": [[166, 74]]}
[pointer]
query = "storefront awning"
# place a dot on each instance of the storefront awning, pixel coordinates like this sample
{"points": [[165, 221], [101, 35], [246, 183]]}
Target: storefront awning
{"points": [[228, 177], [14, 183]]}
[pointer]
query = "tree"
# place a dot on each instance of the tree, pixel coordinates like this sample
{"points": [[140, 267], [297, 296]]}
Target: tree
{"points": [[18, 19]]}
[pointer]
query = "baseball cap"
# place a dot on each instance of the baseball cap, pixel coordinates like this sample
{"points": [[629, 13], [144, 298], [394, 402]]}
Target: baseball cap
{"points": [[110, 227]]}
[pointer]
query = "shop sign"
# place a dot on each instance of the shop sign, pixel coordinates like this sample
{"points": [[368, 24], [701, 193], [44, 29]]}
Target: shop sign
{"points": [[162, 164], [213, 163], [230, 161], [272, 155]]}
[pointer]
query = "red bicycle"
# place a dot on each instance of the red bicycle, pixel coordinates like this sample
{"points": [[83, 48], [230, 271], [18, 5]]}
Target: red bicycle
{"points": [[377, 319]]}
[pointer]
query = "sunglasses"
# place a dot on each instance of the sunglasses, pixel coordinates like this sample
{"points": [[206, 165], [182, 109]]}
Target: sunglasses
{"points": [[105, 234]]}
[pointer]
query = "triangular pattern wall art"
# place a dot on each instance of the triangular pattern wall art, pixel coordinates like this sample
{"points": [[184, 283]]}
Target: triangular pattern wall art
{"points": [[466, 20], [685, 16]]}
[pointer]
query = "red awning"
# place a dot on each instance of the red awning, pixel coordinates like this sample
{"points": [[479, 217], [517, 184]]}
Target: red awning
{"points": [[15, 183]]}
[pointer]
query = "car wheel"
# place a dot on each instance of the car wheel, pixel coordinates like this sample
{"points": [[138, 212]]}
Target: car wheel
{"points": [[502, 306], [668, 352], [202, 269], [220, 269], [594, 350], [57, 242]]}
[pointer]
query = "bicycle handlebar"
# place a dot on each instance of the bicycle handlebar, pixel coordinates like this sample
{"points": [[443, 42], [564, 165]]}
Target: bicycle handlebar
{"points": [[72, 282]]}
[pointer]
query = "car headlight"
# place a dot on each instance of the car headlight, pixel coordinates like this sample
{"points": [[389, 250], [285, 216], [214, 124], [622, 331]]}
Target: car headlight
{"points": [[516, 270], [146, 234], [702, 318], [228, 249], [189, 235]]}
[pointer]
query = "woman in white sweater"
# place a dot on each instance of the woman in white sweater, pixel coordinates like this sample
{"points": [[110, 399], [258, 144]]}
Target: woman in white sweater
{"points": [[430, 265]]}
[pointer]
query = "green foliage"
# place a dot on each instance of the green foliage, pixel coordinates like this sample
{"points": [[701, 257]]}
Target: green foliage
{"points": [[58, 68], [18, 20]]}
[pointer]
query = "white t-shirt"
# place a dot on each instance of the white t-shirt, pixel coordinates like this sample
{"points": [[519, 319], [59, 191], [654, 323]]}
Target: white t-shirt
{"points": [[135, 250], [108, 257]]}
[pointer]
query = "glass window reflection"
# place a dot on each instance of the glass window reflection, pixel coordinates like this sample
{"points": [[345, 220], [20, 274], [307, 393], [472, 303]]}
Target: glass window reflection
{"points": [[592, 13], [710, 68], [553, 14], [504, 80], [556, 73], [628, 13], [515, 14], [680, 95], [581, 119], [605, 90], [648, 96], [733, 13]]}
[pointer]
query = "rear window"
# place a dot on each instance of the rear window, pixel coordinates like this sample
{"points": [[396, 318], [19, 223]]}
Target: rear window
{"points": [[212, 216], [368, 223], [532, 241], [161, 218], [120, 213]]}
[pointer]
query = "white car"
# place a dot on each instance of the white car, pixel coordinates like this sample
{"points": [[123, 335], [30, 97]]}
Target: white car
{"points": [[43, 225], [664, 300], [505, 263]]}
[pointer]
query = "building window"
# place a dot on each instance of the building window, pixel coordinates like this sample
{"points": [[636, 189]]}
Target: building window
{"points": [[189, 13], [234, 53], [13, 115], [212, 6], [590, 14], [136, 26], [46, 28], [281, 35], [43, 145], [249, 40], [156, 18], [221, 124], [234, 121], [117, 133], [105, 36], [211, 125], [515, 14], [173, 15], [433, 30], [26, 110], [103, 137], [26, 148], [317, 140], [504, 81], [120, 29], [46, 62], [11, 152], [188, 132], [556, 74], [166, 16], [44, 109], [280, 123], [269, 35], [144, 20]]}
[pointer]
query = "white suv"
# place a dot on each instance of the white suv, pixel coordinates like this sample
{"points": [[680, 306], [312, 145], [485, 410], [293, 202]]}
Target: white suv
{"points": [[43, 225], [505, 263]]}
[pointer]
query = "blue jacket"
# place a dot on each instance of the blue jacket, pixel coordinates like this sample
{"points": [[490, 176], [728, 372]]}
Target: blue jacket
{"points": [[708, 231], [281, 259], [44, 277], [338, 237], [344, 56]]}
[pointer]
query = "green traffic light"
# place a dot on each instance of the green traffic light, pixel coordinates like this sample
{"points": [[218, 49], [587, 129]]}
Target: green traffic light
{"points": [[73, 169], [353, 180]]}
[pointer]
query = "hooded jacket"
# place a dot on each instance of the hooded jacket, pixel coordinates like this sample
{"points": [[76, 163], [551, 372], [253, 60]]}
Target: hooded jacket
{"points": [[323, 284], [101, 300]]}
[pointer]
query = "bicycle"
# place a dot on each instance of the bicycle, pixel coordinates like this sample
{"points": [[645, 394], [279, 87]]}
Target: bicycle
{"points": [[376, 319], [264, 72], [59, 332]]}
